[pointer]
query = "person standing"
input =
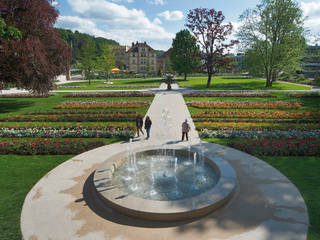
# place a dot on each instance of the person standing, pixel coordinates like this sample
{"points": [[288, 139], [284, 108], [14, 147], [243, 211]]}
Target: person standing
{"points": [[185, 129], [147, 126], [139, 124]]}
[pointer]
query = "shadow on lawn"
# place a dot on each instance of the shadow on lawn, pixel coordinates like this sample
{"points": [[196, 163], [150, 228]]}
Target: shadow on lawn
{"points": [[7, 106]]}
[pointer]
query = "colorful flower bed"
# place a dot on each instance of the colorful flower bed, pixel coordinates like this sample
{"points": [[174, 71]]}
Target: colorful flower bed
{"points": [[110, 94], [207, 133], [263, 115], [101, 104], [304, 94], [280, 146], [26, 95], [71, 86], [66, 133], [70, 125], [72, 117], [244, 105], [228, 94], [47, 146], [255, 126]]}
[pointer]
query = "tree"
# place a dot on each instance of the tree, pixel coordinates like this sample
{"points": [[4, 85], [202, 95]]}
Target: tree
{"points": [[274, 32], [8, 33], [185, 53], [211, 34], [88, 58], [107, 59], [40, 56]]}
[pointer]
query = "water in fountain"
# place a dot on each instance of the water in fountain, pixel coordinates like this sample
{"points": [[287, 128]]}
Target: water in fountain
{"points": [[164, 177]]}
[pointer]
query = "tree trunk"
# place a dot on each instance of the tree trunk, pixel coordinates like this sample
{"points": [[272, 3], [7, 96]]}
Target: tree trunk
{"points": [[68, 75], [209, 79], [185, 76]]}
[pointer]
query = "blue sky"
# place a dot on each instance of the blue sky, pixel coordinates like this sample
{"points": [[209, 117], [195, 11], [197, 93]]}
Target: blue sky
{"points": [[154, 21]]}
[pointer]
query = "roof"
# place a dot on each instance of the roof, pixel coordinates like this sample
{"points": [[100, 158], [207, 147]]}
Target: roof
{"points": [[136, 47], [166, 54]]}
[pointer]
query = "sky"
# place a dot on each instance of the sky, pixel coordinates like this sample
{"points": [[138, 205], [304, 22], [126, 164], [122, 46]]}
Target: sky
{"points": [[155, 21]]}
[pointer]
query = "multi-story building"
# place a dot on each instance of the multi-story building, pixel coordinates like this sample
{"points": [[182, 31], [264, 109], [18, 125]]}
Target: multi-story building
{"points": [[120, 53], [164, 62], [142, 58], [311, 62]]}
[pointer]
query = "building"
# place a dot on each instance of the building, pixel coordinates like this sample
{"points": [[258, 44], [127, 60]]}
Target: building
{"points": [[120, 53], [311, 62], [164, 62], [142, 58]]}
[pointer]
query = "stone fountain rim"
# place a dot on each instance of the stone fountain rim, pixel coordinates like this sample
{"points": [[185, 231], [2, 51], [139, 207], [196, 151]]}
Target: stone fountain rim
{"points": [[173, 210]]}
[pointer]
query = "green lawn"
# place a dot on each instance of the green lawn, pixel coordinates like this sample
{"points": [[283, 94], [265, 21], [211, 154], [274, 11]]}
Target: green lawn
{"points": [[229, 83], [18, 174], [94, 84], [14, 106], [302, 172]]}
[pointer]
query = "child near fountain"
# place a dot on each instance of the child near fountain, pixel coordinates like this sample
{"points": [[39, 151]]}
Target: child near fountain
{"points": [[147, 126]]}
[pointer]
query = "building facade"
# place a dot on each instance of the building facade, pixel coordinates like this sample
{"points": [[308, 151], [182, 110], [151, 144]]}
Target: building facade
{"points": [[142, 58], [311, 62], [120, 53], [164, 62]]}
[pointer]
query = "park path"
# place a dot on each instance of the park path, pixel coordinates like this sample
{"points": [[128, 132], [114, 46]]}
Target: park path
{"points": [[170, 130]]}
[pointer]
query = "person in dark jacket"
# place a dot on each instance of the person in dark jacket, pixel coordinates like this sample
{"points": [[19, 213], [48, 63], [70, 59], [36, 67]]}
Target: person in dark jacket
{"points": [[147, 126], [139, 124], [185, 129]]}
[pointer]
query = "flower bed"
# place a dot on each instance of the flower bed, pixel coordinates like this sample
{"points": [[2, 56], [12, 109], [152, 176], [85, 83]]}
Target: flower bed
{"points": [[228, 94], [47, 146], [255, 126], [72, 117], [263, 115], [66, 132], [207, 133], [110, 94], [101, 104], [71, 86], [244, 105], [26, 95], [304, 94], [280, 146], [70, 125]]}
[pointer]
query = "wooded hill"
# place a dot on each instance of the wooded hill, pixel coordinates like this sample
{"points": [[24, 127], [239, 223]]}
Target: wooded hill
{"points": [[76, 41]]}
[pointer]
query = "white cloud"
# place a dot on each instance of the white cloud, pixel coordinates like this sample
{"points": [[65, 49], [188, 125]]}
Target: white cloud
{"points": [[107, 19], [156, 2], [171, 16], [157, 21], [311, 8]]}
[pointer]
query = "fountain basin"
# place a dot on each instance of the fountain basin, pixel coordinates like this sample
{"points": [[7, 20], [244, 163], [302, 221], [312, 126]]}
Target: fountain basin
{"points": [[165, 210]]}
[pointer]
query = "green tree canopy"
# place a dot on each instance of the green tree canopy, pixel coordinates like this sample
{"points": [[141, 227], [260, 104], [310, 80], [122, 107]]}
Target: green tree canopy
{"points": [[8, 32], [107, 59], [185, 52], [88, 58], [272, 34]]}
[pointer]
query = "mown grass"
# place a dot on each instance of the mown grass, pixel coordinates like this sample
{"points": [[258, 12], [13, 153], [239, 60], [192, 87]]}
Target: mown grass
{"points": [[236, 83], [94, 84], [14, 106], [18, 174], [303, 172]]}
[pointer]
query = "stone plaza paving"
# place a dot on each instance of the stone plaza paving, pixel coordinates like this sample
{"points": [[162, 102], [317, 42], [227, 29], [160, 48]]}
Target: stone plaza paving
{"points": [[64, 204]]}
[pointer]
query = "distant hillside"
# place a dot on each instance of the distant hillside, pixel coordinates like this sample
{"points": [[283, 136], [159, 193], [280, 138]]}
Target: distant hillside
{"points": [[75, 41]]}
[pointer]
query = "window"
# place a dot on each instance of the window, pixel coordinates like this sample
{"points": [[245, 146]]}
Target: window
{"points": [[133, 55], [152, 61], [133, 61], [152, 68]]}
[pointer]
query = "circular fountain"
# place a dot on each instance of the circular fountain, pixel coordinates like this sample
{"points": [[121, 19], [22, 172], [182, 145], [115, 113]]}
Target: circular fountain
{"points": [[165, 184]]}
